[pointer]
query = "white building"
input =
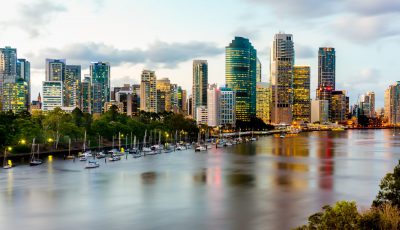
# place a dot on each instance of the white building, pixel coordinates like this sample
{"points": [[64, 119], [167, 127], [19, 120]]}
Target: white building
{"points": [[319, 111], [213, 105], [52, 95], [227, 107], [201, 115]]}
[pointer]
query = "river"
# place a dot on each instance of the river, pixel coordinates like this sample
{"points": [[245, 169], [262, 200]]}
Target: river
{"points": [[274, 183]]}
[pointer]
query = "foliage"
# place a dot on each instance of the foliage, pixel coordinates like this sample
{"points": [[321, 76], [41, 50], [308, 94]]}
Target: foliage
{"points": [[384, 214], [343, 215], [390, 189], [58, 127], [255, 123]]}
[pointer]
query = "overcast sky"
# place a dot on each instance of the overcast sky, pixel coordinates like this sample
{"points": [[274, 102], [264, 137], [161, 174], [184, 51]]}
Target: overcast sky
{"points": [[166, 35]]}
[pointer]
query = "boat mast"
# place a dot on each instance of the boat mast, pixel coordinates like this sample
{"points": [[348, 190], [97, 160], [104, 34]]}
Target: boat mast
{"points": [[84, 142]]}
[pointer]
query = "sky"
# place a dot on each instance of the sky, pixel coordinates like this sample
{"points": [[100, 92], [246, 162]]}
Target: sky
{"points": [[167, 35]]}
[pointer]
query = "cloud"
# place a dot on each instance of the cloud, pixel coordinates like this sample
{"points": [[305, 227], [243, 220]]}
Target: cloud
{"points": [[158, 54], [299, 8], [32, 17], [252, 34], [373, 7], [304, 52], [365, 29]]}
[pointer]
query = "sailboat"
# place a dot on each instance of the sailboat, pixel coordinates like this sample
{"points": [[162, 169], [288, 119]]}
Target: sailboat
{"points": [[199, 147], [35, 161], [6, 165], [70, 157], [145, 149], [100, 154]]}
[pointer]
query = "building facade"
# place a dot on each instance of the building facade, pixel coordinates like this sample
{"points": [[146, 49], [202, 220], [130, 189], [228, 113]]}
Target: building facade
{"points": [[338, 109], [227, 107], [282, 62], [263, 101], [213, 105], [52, 95], [72, 86], [301, 94], [100, 76], [148, 91], [241, 76], [200, 84], [201, 115], [319, 111], [8, 69], [392, 104], [16, 96], [163, 86]]}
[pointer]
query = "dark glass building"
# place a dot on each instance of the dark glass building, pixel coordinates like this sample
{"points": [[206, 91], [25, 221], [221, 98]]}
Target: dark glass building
{"points": [[241, 76], [100, 73]]}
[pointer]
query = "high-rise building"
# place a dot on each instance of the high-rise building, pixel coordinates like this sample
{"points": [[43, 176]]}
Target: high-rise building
{"points": [[24, 72], [52, 95], [15, 96], [100, 74], [175, 98], [55, 69], [327, 67], [319, 111], [241, 76], [367, 104], [227, 107], [263, 101], [148, 91], [8, 68], [201, 115], [183, 102], [259, 71], [86, 95], [190, 106], [163, 86], [213, 105], [301, 94], [326, 75], [338, 110], [392, 104], [200, 84], [72, 86], [282, 62]]}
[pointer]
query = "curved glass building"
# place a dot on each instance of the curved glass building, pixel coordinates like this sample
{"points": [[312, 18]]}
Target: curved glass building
{"points": [[241, 74]]}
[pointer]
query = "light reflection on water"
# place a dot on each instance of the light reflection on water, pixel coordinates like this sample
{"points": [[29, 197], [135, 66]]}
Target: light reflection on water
{"points": [[270, 184]]}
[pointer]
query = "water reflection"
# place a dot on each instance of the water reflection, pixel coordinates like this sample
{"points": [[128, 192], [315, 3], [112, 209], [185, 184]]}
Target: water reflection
{"points": [[274, 183]]}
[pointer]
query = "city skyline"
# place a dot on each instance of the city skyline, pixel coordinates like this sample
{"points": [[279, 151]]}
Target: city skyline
{"points": [[164, 44]]}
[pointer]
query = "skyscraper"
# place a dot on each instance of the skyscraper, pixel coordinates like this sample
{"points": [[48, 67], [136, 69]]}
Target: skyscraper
{"points": [[8, 68], [327, 67], [86, 95], [15, 96], [263, 101], [282, 62], [24, 72], [326, 75], [213, 105], [392, 104], [52, 95], [72, 85], [200, 83], [148, 91], [241, 76], [100, 73], [227, 107], [301, 94], [163, 86], [338, 110], [259, 70], [367, 104], [55, 69]]}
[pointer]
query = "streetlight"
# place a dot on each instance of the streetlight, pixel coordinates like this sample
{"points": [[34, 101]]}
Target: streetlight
{"points": [[22, 141], [50, 140], [9, 148]]}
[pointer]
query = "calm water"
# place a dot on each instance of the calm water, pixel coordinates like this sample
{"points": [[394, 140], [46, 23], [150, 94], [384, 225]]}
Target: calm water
{"points": [[270, 184]]}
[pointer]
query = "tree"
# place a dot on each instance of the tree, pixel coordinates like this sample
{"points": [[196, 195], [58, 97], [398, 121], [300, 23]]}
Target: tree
{"points": [[389, 189], [363, 120], [343, 215]]}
